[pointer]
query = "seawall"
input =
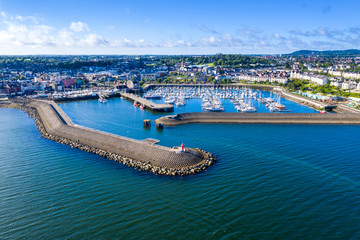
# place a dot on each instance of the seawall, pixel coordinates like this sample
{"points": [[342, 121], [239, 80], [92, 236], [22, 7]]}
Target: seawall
{"points": [[260, 118], [55, 125]]}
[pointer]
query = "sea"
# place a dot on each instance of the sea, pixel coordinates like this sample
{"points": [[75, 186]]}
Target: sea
{"points": [[270, 182]]}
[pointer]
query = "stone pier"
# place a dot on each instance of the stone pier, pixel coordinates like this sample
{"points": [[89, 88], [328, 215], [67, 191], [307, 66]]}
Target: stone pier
{"points": [[148, 104], [260, 118], [54, 124]]}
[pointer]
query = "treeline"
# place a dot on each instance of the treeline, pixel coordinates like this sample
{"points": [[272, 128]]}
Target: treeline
{"points": [[59, 62], [78, 62], [221, 60], [242, 61]]}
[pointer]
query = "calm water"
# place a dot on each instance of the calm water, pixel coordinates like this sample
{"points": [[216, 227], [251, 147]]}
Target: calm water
{"points": [[271, 182]]}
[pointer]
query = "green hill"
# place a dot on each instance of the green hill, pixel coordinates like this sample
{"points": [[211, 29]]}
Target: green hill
{"points": [[349, 52]]}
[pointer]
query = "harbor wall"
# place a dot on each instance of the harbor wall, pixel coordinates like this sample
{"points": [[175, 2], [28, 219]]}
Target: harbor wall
{"points": [[54, 124], [260, 118]]}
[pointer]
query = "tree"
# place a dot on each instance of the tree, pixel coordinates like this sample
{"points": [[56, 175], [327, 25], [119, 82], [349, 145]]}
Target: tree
{"points": [[210, 79], [287, 65]]}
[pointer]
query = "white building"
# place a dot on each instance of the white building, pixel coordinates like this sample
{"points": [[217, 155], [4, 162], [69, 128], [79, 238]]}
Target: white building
{"points": [[347, 85], [315, 79], [335, 83], [318, 80], [345, 74]]}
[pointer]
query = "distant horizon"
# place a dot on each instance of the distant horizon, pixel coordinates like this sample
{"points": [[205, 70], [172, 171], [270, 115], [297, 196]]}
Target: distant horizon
{"points": [[210, 54]]}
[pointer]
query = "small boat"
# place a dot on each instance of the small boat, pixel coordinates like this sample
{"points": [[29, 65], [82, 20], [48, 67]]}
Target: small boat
{"points": [[274, 109], [280, 106], [249, 109], [102, 99], [213, 109], [142, 106], [136, 104], [153, 97], [170, 100], [180, 102]]}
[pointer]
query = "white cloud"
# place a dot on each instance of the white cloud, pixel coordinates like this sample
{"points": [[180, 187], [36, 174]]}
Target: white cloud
{"points": [[20, 33], [79, 27], [141, 43], [225, 40], [94, 40], [176, 44], [67, 38]]}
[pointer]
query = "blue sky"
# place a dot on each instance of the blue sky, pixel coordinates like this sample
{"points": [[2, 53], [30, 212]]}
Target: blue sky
{"points": [[177, 27]]}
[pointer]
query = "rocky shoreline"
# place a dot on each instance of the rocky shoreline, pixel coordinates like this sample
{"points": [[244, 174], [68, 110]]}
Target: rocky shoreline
{"points": [[209, 159]]}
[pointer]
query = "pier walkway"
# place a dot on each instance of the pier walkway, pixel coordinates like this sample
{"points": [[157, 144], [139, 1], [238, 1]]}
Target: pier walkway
{"points": [[260, 118], [148, 104], [57, 123]]}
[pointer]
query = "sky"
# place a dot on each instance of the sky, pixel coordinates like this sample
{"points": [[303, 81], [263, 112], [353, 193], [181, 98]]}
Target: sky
{"points": [[138, 27]]}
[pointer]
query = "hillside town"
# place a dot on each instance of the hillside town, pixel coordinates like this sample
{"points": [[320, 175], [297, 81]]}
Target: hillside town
{"points": [[317, 77]]}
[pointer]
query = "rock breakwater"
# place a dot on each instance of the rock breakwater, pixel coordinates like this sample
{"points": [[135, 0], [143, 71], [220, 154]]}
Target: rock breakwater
{"points": [[205, 159]]}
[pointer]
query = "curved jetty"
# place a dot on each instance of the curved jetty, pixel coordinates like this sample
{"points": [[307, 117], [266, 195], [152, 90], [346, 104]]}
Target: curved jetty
{"points": [[54, 124], [259, 118]]}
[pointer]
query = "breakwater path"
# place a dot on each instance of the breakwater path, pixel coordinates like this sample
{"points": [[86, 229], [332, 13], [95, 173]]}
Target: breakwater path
{"points": [[56, 125], [149, 105], [259, 118]]}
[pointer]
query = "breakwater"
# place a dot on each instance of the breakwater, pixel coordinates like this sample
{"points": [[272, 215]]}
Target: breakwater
{"points": [[55, 125], [148, 104], [259, 118]]}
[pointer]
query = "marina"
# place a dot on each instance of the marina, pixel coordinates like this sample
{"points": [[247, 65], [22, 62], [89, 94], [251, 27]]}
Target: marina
{"points": [[244, 99]]}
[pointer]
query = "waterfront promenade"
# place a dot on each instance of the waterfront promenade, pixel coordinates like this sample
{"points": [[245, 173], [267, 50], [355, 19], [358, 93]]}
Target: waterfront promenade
{"points": [[259, 118], [55, 125], [148, 104]]}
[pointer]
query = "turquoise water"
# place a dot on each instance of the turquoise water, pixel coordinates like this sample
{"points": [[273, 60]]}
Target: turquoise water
{"points": [[271, 181]]}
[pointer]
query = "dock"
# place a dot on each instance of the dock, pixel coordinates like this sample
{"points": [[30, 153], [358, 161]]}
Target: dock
{"points": [[146, 155], [148, 104], [261, 118]]}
